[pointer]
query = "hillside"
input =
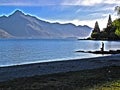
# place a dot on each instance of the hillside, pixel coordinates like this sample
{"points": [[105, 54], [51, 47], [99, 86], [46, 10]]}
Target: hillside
{"points": [[4, 34], [20, 25]]}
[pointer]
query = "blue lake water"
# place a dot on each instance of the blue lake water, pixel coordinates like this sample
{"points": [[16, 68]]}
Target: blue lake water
{"points": [[20, 51]]}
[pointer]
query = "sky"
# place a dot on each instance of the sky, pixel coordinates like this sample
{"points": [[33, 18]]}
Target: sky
{"points": [[78, 12]]}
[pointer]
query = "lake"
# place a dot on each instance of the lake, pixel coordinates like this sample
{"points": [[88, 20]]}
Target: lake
{"points": [[25, 51]]}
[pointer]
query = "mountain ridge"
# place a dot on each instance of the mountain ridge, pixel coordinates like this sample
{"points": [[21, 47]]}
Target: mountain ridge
{"points": [[21, 25]]}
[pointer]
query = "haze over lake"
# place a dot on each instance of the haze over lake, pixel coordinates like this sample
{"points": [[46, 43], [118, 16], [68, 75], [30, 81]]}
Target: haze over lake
{"points": [[20, 51]]}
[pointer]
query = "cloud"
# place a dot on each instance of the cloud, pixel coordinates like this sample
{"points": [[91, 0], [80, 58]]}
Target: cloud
{"points": [[94, 12], [90, 23], [56, 2], [53, 2], [112, 2], [89, 2]]}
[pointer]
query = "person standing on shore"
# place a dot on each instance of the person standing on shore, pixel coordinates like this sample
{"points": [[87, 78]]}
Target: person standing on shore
{"points": [[102, 49]]}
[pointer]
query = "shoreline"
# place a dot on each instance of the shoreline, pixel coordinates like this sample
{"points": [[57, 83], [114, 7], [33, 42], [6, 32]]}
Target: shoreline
{"points": [[65, 60], [99, 39], [28, 70]]}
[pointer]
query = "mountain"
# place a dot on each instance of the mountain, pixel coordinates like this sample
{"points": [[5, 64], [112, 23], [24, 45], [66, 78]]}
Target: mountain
{"points": [[4, 34], [20, 25]]}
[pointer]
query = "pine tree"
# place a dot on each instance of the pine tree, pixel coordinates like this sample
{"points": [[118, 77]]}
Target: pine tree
{"points": [[96, 31], [96, 28], [109, 21]]}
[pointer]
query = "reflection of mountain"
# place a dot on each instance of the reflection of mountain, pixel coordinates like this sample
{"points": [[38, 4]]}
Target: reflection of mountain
{"points": [[20, 25]]}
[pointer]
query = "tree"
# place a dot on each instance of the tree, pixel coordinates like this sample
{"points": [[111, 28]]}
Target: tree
{"points": [[95, 35], [117, 9], [96, 28], [109, 25], [103, 35], [109, 21], [96, 31]]}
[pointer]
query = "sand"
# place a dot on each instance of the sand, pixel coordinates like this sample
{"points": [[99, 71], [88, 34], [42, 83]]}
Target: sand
{"points": [[28, 70]]}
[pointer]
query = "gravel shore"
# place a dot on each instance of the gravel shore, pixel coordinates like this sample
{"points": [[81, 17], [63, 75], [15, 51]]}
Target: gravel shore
{"points": [[28, 70]]}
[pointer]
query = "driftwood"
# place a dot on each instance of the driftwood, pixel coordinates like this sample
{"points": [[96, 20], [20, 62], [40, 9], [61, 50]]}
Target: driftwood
{"points": [[102, 52]]}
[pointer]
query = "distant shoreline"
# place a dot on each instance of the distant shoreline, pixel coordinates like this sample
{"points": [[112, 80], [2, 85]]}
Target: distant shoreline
{"points": [[54, 39], [98, 39]]}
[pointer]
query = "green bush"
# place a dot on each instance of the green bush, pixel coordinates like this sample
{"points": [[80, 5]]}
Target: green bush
{"points": [[117, 32], [95, 35], [104, 35], [116, 23]]}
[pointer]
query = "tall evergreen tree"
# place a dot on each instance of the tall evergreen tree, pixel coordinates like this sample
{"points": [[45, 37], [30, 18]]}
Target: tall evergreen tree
{"points": [[96, 28], [109, 25], [96, 31], [109, 21]]}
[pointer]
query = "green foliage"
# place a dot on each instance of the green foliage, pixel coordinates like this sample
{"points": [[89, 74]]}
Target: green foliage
{"points": [[116, 23], [117, 32], [95, 35], [113, 36], [104, 35], [112, 85]]}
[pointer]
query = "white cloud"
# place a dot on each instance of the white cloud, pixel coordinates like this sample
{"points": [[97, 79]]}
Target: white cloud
{"points": [[112, 1], [102, 22], [90, 2], [57, 2]]}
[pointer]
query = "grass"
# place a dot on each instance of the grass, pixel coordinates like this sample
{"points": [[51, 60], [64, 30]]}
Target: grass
{"points": [[113, 85], [107, 78]]}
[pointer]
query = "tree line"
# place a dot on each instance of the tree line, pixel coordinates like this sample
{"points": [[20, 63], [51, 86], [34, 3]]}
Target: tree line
{"points": [[112, 30]]}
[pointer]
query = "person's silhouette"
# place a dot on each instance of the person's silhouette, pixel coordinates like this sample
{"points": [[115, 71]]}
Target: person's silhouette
{"points": [[102, 49]]}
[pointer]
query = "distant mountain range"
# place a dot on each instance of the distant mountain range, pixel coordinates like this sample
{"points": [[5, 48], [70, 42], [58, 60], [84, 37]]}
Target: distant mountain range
{"points": [[20, 25]]}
